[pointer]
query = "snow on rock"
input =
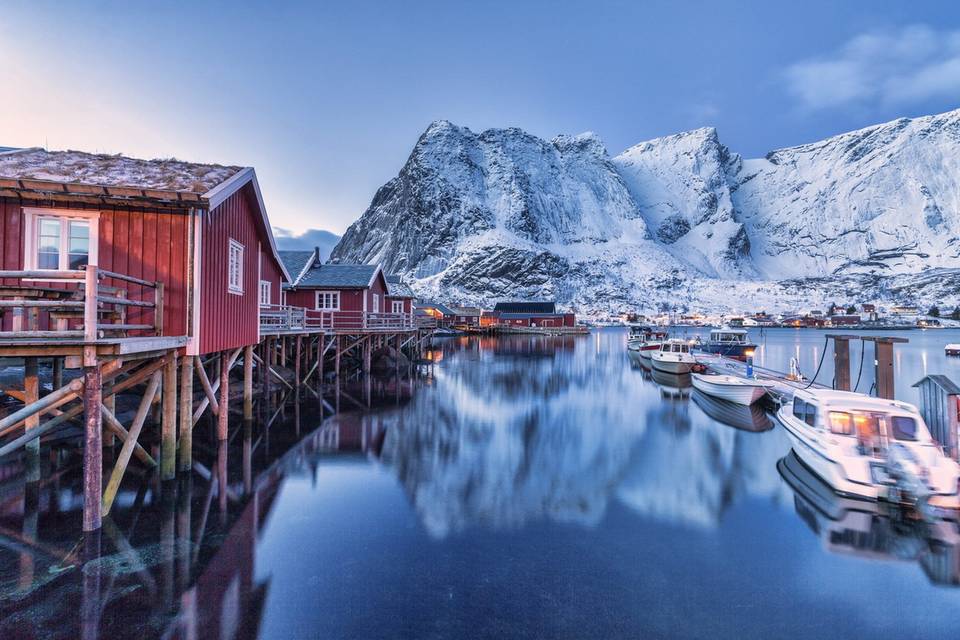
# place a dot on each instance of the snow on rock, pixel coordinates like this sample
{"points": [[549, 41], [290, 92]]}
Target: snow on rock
{"points": [[673, 223]]}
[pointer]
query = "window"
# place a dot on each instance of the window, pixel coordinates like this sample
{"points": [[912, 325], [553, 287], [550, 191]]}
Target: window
{"points": [[235, 267], [58, 242], [799, 408], [376, 303], [328, 300], [397, 306], [811, 415], [264, 293], [841, 423], [904, 428]]}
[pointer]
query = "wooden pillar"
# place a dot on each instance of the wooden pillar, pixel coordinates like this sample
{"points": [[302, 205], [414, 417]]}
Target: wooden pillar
{"points": [[186, 413], [224, 402], [57, 373], [367, 349], [168, 428], [298, 358], [336, 358], [92, 448], [841, 363], [248, 382], [31, 393], [884, 365], [321, 357], [283, 352]]}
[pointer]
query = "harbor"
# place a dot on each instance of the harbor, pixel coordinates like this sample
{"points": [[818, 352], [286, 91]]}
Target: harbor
{"points": [[451, 493]]}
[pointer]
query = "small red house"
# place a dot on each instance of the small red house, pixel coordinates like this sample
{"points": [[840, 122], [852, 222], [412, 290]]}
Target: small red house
{"points": [[339, 296], [400, 296], [530, 314], [200, 230]]}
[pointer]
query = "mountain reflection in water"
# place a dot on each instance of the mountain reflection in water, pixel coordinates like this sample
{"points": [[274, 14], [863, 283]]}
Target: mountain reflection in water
{"points": [[516, 487]]}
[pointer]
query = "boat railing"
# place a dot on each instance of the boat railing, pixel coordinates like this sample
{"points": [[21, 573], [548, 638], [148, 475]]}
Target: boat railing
{"points": [[86, 304]]}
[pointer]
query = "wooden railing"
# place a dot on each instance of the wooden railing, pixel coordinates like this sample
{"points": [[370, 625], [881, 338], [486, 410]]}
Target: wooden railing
{"points": [[287, 318], [76, 304]]}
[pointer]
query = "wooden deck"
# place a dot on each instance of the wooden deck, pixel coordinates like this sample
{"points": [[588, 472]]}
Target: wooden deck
{"points": [[105, 347]]}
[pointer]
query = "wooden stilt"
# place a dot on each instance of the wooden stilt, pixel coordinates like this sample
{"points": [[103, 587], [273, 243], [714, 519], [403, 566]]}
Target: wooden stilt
{"points": [[223, 415], [168, 429], [31, 393], [186, 413], [298, 358], [283, 352], [367, 348], [92, 448], [57, 373], [248, 382]]}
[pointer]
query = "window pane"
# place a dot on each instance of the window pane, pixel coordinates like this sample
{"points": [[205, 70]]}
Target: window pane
{"points": [[904, 428], [79, 229], [798, 408], [77, 260], [47, 260], [811, 415], [49, 227], [841, 423]]}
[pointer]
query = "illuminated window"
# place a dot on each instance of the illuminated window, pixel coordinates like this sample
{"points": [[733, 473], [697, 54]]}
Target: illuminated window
{"points": [[235, 267], [841, 423]]}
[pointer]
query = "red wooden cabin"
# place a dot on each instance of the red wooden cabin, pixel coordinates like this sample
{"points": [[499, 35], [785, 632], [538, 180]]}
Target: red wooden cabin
{"points": [[192, 242], [400, 296], [530, 314], [340, 297]]}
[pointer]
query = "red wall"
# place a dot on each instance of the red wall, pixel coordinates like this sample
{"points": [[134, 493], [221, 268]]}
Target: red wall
{"points": [[350, 299], [227, 320], [141, 243], [407, 304], [270, 271]]}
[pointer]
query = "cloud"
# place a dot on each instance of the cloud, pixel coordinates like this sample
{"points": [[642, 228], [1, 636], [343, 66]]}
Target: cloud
{"points": [[898, 67]]}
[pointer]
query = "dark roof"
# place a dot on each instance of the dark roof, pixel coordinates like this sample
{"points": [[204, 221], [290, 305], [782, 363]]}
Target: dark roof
{"points": [[941, 381], [467, 311], [337, 276], [295, 261], [520, 316], [526, 307], [445, 310], [396, 288]]}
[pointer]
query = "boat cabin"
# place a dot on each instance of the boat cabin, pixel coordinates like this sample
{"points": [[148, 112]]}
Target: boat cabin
{"points": [[728, 336], [675, 346], [874, 422]]}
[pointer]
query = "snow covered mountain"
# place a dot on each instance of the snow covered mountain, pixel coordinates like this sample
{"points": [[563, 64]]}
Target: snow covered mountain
{"points": [[672, 223]]}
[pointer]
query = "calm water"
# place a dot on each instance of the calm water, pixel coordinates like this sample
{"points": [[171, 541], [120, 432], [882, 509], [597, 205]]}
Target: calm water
{"points": [[520, 487]]}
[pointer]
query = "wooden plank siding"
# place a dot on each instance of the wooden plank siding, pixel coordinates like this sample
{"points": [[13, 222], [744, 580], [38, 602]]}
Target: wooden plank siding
{"points": [[229, 320], [144, 244], [270, 271]]}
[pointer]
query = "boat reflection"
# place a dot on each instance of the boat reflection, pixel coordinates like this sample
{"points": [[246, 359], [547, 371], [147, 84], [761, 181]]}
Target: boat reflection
{"points": [[872, 530], [748, 418], [672, 386]]}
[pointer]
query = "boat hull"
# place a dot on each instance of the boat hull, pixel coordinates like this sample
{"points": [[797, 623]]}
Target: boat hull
{"points": [[728, 350], [671, 365], [745, 394]]}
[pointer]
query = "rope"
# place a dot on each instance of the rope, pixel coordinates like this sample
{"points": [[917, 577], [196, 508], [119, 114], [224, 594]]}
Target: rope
{"points": [[863, 348], [826, 341]]}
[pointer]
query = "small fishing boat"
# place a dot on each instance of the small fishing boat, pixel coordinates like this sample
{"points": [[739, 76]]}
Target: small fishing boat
{"points": [[870, 448], [952, 349], [645, 339], [735, 389], [732, 343], [745, 418], [673, 356]]}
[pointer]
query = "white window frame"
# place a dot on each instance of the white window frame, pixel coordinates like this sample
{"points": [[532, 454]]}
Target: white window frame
{"points": [[235, 248], [334, 295], [396, 306], [32, 216], [266, 287], [376, 303]]}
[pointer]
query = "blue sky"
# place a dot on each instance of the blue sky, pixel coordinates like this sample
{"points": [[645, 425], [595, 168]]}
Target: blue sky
{"points": [[326, 100]]}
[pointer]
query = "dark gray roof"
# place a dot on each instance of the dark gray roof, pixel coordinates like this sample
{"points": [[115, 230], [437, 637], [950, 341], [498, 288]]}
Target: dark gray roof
{"points": [[349, 276], [295, 261], [520, 316], [945, 383], [526, 307], [397, 288]]}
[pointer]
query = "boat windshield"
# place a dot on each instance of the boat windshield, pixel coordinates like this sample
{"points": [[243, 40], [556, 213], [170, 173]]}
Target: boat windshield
{"points": [[729, 337], [679, 347], [873, 429]]}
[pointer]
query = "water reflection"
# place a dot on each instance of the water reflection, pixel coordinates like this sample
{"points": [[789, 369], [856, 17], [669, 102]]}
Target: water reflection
{"points": [[871, 530]]}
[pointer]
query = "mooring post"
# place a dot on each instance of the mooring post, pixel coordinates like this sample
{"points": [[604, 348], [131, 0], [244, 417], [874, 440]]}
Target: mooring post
{"points": [[186, 413], [248, 382], [92, 448], [168, 428], [884, 364], [841, 361], [224, 402]]}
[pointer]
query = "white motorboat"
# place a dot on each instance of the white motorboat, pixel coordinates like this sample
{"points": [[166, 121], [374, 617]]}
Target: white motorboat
{"points": [[744, 391], [673, 356], [952, 349], [870, 448]]}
